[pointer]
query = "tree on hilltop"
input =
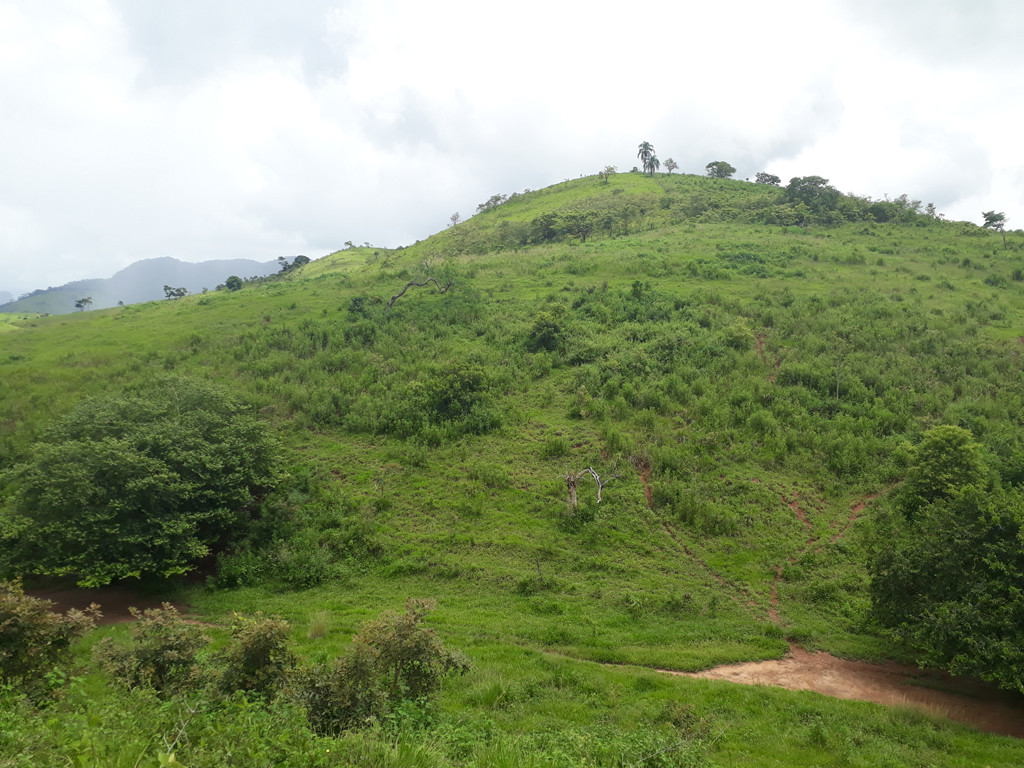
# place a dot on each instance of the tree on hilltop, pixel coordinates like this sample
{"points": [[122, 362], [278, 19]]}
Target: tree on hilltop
{"points": [[83, 303], [996, 221], [813, 191], [171, 292], [768, 178], [651, 165], [719, 169], [645, 151], [671, 165], [491, 203], [609, 170]]}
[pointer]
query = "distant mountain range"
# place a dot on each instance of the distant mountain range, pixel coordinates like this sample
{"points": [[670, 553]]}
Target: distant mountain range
{"points": [[142, 281]]}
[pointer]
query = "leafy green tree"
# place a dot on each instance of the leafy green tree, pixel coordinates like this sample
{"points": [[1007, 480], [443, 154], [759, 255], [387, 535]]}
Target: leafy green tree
{"points": [[491, 203], [171, 292], [767, 178], [997, 222], [233, 283], [947, 461], [454, 390], [84, 303], [671, 165], [719, 169], [579, 224], [140, 484], [651, 164], [814, 192], [948, 582], [288, 266], [608, 172], [946, 574], [411, 657]]}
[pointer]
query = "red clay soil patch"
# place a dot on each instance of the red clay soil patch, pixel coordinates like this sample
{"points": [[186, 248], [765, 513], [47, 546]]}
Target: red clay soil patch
{"points": [[799, 511], [966, 700], [114, 602], [855, 511], [644, 468]]}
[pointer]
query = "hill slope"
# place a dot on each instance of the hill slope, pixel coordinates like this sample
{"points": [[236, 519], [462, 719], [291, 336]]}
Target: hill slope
{"points": [[742, 388]]}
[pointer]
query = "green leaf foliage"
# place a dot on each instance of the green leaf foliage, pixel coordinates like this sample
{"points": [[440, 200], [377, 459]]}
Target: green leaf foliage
{"points": [[33, 638], [950, 583], [161, 653], [135, 485], [946, 462]]}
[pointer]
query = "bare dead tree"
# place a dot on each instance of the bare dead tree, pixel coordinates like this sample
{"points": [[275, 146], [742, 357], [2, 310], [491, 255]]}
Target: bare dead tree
{"points": [[572, 479], [412, 283]]}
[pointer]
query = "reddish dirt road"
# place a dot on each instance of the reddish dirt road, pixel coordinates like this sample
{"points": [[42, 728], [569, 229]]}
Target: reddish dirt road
{"points": [[977, 704]]}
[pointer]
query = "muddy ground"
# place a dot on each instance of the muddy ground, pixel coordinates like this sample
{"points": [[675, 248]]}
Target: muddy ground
{"points": [[966, 700], [114, 602]]}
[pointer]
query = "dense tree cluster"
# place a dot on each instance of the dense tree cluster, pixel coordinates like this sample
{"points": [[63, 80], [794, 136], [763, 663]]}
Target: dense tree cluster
{"points": [[948, 573], [143, 483]]}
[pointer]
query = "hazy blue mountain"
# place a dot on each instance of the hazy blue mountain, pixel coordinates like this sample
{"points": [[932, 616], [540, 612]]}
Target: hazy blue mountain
{"points": [[6, 296], [142, 281]]}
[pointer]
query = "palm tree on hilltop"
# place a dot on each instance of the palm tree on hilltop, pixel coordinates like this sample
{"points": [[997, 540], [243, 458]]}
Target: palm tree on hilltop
{"points": [[651, 164], [645, 152]]}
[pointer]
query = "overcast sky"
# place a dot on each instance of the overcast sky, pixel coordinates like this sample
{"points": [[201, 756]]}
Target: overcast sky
{"points": [[206, 129]]}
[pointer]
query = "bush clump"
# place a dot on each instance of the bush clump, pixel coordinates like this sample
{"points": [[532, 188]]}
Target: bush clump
{"points": [[160, 655], [34, 639], [394, 660], [259, 658]]}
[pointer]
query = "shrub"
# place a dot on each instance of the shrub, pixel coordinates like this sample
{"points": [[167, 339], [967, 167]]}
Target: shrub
{"points": [[545, 334], [161, 654], [411, 657], [258, 659], [341, 695], [394, 662], [34, 639]]}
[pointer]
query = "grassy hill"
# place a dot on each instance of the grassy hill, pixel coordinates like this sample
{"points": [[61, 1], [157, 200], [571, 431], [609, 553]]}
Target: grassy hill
{"points": [[747, 389]]}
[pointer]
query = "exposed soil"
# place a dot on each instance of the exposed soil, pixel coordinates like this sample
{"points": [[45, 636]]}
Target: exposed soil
{"points": [[114, 602], [966, 700], [799, 511], [644, 468]]}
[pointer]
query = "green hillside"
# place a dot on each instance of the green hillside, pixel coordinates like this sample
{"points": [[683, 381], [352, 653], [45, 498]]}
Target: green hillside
{"points": [[745, 370]]}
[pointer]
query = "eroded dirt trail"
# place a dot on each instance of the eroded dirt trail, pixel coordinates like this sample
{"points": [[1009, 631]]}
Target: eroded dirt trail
{"points": [[968, 701]]}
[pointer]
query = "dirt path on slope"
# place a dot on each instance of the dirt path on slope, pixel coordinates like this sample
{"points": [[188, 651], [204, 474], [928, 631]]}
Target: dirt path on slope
{"points": [[114, 602], [969, 701]]}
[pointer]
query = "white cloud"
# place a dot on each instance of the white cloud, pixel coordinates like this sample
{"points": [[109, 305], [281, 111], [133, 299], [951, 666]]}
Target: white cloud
{"points": [[259, 129]]}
